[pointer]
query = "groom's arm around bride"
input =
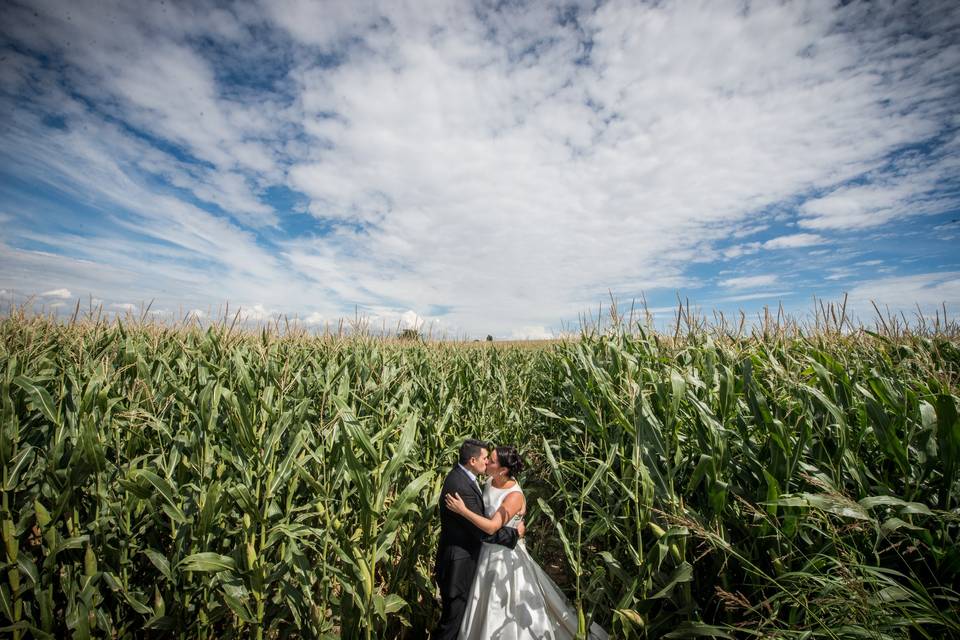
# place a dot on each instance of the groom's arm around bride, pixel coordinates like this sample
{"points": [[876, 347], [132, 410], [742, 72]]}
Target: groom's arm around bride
{"points": [[457, 482]]}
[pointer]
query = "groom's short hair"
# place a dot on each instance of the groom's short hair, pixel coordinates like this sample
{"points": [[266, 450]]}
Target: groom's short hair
{"points": [[471, 448]]}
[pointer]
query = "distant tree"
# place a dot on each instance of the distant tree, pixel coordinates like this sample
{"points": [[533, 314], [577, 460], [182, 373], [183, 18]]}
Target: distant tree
{"points": [[409, 334], [489, 338]]}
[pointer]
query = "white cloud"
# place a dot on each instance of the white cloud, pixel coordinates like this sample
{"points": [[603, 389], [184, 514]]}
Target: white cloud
{"points": [[794, 240], [742, 250], [531, 333], [388, 321], [838, 274], [749, 230], [790, 241], [746, 282], [256, 313], [769, 296], [904, 293], [57, 293], [891, 194], [324, 23], [314, 318], [124, 306], [411, 320]]}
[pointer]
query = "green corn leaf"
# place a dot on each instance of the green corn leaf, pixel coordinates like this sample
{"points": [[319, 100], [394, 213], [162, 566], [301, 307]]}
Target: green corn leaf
{"points": [[239, 607], [683, 573], [160, 562], [161, 623], [166, 490], [20, 463], [699, 630], [40, 398], [207, 561], [891, 501]]}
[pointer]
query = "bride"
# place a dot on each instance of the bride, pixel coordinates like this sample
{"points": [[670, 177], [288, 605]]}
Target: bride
{"points": [[512, 598]]}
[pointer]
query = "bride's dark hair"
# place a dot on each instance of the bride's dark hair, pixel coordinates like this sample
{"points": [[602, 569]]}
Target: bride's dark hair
{"points": [[508, 457]]}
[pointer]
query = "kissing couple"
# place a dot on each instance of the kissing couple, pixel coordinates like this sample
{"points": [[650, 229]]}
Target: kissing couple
{"points": [[490, 587]]}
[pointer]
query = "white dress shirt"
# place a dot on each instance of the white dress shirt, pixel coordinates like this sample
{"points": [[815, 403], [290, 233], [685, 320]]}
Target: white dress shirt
{"points": [[470, 474]]}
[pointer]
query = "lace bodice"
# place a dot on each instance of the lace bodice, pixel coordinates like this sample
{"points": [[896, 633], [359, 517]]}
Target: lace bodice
{"points": [[493, 498]]}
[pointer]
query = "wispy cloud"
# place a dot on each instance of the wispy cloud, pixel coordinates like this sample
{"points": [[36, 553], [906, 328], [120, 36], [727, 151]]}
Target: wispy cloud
{"points": [[532, 333], [768, 296], [57, 293], [794, 240], [905, 293], [746, 282]]}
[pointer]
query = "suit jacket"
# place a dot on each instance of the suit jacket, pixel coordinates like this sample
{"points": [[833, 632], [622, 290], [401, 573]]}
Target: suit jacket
{"points": [[460, 540]]}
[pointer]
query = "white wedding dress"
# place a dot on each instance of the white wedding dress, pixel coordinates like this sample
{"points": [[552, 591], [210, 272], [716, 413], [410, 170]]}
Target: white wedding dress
{"points": [[512, 598]]}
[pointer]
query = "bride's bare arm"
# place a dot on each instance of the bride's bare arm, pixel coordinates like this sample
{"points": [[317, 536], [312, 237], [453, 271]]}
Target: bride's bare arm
{"points": [[511, 506]]}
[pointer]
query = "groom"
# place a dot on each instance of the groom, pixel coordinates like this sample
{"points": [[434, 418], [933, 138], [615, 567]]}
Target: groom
{"points": [[460, 541]]}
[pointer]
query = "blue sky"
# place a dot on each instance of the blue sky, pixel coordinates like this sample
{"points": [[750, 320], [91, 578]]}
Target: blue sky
{"points": [[472, 167]]}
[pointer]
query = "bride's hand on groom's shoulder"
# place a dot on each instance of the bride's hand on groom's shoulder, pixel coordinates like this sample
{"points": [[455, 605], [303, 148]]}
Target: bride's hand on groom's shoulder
{"points": [[455, 503]]}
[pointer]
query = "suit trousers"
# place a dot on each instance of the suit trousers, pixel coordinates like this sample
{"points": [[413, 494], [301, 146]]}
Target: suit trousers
{"points": [[455, 572], [451, 616]]}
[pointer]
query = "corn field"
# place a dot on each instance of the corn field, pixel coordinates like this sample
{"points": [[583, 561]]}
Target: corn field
{"points": [[207, 483]]}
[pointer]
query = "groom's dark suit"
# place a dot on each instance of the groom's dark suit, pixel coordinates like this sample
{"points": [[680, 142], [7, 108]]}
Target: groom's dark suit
{"points": [[459, 550]]}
